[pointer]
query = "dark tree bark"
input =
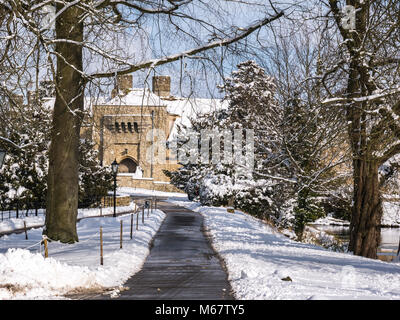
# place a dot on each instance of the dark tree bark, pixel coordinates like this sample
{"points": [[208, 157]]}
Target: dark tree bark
{"points": [[367, 210], [62, 197], [367, 204]]}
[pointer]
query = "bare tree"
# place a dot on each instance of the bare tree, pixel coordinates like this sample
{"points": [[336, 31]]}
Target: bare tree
{"points": [[367, 58], [87, 29]]}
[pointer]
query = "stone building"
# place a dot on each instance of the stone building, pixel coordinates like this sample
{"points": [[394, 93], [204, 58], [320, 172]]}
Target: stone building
{"points": [[128, 126]]}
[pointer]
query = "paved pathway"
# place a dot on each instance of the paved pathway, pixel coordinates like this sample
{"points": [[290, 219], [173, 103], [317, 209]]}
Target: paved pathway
{"points": [[181, 264]]}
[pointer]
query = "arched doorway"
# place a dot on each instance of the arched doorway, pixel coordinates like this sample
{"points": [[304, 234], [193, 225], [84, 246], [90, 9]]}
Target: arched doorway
{"points": [[127, 166]]}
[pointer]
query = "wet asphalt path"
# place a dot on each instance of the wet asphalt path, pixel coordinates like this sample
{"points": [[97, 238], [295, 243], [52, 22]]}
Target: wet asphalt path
{"points": [[181, 264]]}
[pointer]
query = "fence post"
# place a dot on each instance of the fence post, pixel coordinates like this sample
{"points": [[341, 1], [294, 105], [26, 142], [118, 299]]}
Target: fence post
{"points": [[131, 225], [46, 250], [120, 237], [137, 220], [101, 245], [26, 232], [143, 215]]}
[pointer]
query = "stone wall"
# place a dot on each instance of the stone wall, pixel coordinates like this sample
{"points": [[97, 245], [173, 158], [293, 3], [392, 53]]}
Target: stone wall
{"points": [[146, 183], [121, 201], [125, 142]]}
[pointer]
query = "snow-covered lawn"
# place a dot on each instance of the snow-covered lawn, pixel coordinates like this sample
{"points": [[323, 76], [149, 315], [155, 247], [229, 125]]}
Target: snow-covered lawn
{"points": [[145, 192], [32, 221], [258, 257], [26, 274]]}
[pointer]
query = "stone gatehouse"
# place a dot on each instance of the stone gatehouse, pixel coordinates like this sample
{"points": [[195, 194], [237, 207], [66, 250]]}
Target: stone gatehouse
{"points": [[128, 124]]}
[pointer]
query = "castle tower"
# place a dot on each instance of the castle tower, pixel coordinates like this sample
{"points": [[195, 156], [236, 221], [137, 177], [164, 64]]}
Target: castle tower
{"points": [[162, 86], [123, 86]]}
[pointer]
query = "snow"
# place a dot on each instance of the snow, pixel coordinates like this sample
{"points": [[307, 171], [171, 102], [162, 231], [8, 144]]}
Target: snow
{"points": [[150, 193], [330, 221], [8, 225], [390, 217], [73, 269], [391, 213], [190, 108], [258, 257], [136, 97]]}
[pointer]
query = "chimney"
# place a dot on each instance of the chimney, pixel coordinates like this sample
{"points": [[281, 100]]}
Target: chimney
{"points": [[162, 86], [123, 86]]}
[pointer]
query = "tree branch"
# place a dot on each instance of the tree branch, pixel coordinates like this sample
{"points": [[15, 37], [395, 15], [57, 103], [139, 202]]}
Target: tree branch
{"points": [[168, 59]]}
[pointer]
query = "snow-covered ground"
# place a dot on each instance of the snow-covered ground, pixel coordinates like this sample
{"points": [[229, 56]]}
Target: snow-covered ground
{"points": [[258, 257], [149, 193], [26, 274], [391, 216], [261, 262], [32, 221]]}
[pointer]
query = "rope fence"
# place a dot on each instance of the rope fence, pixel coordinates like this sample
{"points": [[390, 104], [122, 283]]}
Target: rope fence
{"points": [[22, 209], [125, 219]]}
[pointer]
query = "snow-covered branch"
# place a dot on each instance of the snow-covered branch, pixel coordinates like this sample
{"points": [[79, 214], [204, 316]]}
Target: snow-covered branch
{"points": [[13, 144], [369, 98], [168, 59]]}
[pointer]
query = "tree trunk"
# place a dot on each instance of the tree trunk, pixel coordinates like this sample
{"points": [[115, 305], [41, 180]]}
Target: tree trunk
{"points": [[367, 210], [62, 196]]}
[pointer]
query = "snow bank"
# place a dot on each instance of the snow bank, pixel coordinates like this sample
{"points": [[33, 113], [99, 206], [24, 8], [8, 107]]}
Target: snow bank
{"points": [[26, 274], [150, 193], [330, 221], [264, 264], [391, 216]]}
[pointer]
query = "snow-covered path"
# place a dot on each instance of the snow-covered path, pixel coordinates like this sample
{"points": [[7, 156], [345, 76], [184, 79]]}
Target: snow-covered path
{"points": [[258, 258]]}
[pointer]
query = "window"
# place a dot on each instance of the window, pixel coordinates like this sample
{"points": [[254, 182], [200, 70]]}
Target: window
{"points": [[136, 127]]}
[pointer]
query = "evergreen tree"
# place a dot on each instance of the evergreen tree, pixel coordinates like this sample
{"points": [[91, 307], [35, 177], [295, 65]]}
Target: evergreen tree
{"points": [[261, 189], [94, 180], [23, 177]]}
